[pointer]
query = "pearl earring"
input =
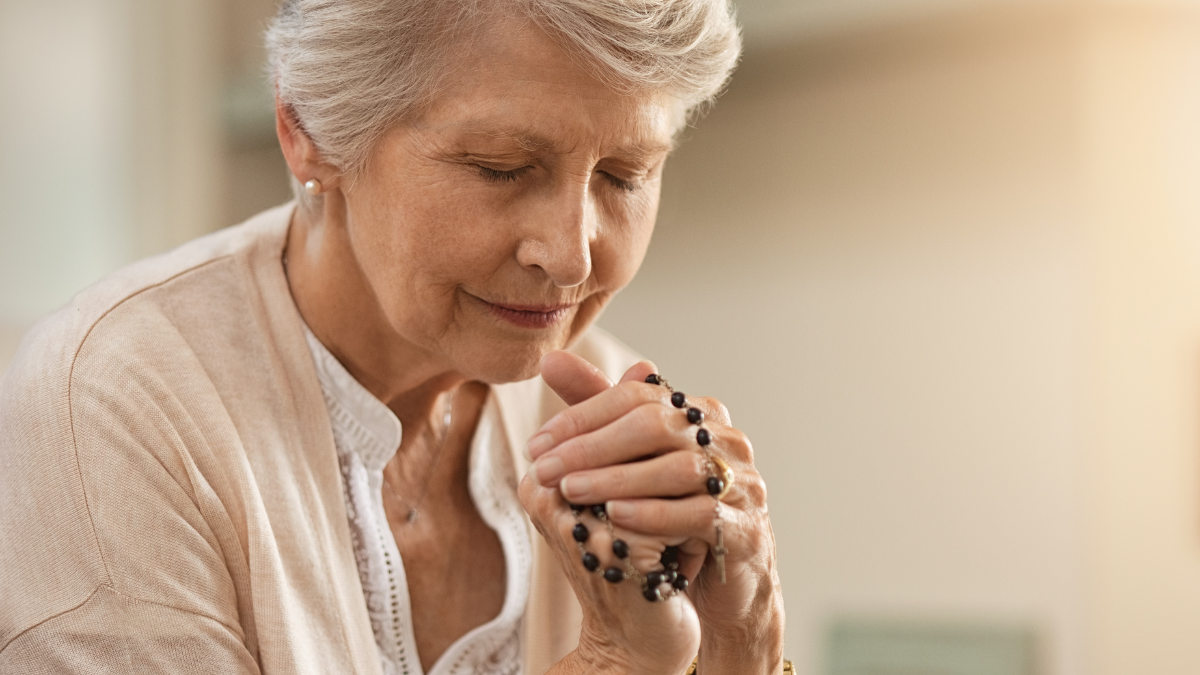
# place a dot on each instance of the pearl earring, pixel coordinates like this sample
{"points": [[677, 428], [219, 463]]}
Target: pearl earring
{"points": [[313, 187]]}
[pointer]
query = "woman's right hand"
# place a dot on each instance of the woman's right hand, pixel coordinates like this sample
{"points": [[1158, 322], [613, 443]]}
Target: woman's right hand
{"points": [[622, 632]]}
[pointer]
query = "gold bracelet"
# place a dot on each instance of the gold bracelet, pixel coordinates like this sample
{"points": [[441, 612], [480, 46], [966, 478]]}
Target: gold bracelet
{"points": [[788, 668]]}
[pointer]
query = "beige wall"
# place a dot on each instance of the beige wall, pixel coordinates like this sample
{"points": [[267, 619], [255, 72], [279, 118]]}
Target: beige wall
{"points": [[947, 276], [870, 250], [64, 203], [1141, 95], [110, 143]]}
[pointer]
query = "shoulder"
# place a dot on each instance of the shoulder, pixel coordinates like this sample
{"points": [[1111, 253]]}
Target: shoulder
{"points": [[109, 318], [96, 400]]}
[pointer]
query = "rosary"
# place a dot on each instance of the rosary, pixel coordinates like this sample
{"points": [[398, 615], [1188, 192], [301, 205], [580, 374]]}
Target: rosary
{"points": [[717, 485]]}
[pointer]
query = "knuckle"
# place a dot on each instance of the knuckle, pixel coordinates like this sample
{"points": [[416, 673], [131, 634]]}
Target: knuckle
{"points": [[612, 480], [565, 527], [696, 468], [571, 422], [653, 417], [758, 541], [628, 388], [649, 421], [740, 446], [755, 489], [724, 411], [577, 452], [632, 393], [715, 408], [648, 393]]}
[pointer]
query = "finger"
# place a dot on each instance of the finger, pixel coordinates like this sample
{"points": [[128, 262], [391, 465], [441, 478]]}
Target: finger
{"points": [[598, 411], [675, 474], [639, 372], [691, 517], [647, 430], [608, 406], [613, 549], [572, 377]]}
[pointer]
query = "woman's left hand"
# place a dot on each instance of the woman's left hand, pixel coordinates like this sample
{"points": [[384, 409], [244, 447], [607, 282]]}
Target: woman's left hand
{"points": [[628, 447]]}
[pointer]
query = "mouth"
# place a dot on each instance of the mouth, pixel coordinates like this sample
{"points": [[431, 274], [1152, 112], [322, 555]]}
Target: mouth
{"points": [[530, 316]]}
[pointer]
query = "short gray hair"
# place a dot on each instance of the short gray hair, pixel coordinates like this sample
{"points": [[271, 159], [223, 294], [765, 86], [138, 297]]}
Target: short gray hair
{"points": [[350, 69]]}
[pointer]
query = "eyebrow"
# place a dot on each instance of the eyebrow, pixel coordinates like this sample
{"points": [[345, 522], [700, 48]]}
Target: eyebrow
{"points": [[533, 142]]}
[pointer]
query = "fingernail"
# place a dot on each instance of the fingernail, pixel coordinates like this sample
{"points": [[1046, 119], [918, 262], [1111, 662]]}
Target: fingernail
{"points": [[620, 509], [540, 443], [549, 470], [576, 487]]}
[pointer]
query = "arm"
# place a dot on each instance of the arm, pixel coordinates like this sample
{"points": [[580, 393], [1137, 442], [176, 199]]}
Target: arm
{"points": [[115, 633], [108, 565]]}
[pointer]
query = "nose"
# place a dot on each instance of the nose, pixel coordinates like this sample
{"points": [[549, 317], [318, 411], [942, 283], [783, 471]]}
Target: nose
{"points": [[558, 235]]}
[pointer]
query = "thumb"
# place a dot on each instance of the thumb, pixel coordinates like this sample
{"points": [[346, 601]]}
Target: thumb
{"points": [[639, 371], [572, 377]]}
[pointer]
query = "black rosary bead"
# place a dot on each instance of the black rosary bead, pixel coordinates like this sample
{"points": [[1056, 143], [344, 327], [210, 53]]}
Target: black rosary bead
{"points": [[652, 594], [715, 486], [614, 575], [577, 508], [620, 548], [598, 511], [695, 415], [580, 532], [678, 399], [590, 561], [703, 437], [681, 583], [670, 576], [670, 556], [653, 378], [654, 578]]}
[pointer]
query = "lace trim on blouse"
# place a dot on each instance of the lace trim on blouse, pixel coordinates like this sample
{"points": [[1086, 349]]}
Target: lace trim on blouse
{"points": [[367, 435]]}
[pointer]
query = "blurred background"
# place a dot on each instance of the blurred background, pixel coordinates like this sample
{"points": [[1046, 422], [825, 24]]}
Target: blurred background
{"points": [[948, 253]]}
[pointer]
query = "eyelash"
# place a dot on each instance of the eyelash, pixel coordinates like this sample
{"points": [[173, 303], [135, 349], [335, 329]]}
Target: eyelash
{"points": [[622, 185], [497, 176]]}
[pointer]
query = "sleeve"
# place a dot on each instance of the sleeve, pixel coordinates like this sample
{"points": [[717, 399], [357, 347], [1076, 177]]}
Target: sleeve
{"points": [[114, 553], [114, 633]]}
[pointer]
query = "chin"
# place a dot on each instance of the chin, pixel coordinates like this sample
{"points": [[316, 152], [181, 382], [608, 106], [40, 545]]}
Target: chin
{"points": [[505, 362]]}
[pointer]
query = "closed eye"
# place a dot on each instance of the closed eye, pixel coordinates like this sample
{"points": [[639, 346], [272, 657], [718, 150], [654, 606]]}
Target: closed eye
{"points": [[619, 183], [497, 176]]}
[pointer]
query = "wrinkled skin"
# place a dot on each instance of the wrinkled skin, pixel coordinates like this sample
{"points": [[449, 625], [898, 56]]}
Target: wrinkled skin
{"points": [[480, 238]]}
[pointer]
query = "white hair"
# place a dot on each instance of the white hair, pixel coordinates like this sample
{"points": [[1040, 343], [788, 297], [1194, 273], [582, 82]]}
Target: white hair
{"points": [[350, 69]]}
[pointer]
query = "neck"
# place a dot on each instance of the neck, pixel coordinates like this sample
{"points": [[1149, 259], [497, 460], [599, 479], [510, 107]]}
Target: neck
{"points": [[342, 310]]}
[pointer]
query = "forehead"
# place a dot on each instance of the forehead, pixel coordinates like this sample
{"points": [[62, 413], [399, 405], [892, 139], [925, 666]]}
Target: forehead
{"points": [[514, 84]]}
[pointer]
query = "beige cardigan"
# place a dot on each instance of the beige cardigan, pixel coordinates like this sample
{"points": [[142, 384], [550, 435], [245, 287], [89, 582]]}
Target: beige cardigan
{"points": [[170, 500]]}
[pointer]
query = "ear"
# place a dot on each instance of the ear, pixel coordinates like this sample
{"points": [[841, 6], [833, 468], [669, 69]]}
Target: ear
{"points": [[302, 156]]}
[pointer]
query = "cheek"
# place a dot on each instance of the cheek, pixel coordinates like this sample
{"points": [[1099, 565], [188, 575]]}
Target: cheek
{"points": [[417, 242], [438, 226], [618, 252]]}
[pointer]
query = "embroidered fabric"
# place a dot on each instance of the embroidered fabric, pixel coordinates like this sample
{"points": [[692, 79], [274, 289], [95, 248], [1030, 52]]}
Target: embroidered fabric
{"points": [[367, 435]]}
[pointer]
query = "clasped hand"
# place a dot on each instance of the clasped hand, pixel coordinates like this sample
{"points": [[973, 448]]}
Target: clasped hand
{"points": [[626, 447]]}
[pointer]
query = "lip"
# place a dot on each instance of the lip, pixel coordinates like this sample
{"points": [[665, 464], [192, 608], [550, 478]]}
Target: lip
{"points": [[530, 316]]}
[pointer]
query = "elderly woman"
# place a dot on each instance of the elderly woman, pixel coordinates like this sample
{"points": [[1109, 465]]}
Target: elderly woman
{"points": [[316, 443]]}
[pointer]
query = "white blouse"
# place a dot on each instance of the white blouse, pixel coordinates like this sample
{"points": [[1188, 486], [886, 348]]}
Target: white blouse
{"points": [[367, 435]]}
